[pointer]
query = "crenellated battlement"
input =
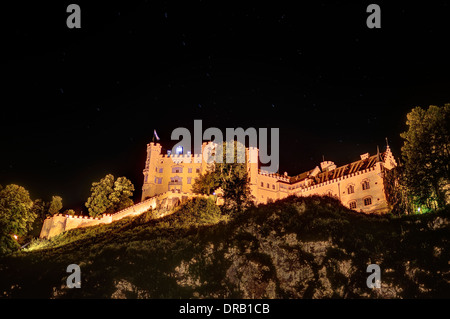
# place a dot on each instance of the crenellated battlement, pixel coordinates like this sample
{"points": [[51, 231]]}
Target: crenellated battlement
{"points": [[153, 144], [185, 158], [181, 155], [59, 223], [336, 180], [274, 175]]}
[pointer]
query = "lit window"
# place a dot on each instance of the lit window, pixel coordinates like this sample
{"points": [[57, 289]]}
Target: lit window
{"points": [[177, 170], [365, 185], [351, 189], [352, 205], [175, 179], [367, 201]]}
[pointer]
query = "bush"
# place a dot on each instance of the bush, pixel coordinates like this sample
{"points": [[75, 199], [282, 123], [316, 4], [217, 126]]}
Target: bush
{"points": [[199, 211], [7, 244], [37, 243]]}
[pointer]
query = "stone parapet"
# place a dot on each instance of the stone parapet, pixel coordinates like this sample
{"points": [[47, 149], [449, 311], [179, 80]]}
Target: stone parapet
{"points": [[59, 223]]}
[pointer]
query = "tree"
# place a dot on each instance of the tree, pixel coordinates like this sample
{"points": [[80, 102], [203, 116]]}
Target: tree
{"points": [[206, 183], [109, 196], [40, 209], [231, 177], [426, 155], [396, 192], [55, 205], [16, 216], [123, 190], [99, 202]]}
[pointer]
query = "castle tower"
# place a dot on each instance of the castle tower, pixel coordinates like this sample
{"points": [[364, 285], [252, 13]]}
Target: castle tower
{"points": [[252, 156], [153, 155], [208, 152], [389, 160]]}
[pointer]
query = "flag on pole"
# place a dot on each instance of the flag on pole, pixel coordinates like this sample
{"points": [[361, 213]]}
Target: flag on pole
{"points": [[156, 135]]}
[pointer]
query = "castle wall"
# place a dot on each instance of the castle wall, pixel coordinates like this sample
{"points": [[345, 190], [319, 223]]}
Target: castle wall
{"points": [[339, 188], [46, 228], [80, 221], [59, 223], [161, 170], [159, 174], [271, 187]]}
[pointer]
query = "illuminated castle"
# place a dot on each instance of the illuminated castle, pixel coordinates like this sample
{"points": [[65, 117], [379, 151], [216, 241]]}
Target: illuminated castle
{"points": [[358, 185], [168, 180]]}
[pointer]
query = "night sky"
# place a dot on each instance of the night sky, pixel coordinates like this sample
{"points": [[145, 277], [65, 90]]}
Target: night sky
{"points": [[77, 104]]}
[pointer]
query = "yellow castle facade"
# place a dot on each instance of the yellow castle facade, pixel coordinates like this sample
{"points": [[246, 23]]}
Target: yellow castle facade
{"points": [[358, 185], [168, 180]]}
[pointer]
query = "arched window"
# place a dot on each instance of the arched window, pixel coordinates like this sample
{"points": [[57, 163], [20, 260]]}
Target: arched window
{"points": [[350, 189], [365, 185], [352, 205], [177, 169], [176, 179], [367, 201]]}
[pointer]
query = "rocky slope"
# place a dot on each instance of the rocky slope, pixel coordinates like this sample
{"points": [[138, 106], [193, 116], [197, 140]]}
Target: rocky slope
{"points": [[296, 248]]}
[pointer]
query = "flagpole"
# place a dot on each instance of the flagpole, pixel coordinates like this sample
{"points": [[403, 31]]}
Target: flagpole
{"points": [[155, 135]]}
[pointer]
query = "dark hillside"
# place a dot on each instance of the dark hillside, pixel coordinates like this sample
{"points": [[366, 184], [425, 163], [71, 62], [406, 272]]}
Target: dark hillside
{"points": [[295, 248]]}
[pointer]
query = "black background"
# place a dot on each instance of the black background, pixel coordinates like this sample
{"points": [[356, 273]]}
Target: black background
{"points": [[323, 308], [77, 104]]}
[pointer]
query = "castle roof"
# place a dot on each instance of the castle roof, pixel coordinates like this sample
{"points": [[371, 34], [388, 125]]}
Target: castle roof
{"points": [[341, 171]]}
